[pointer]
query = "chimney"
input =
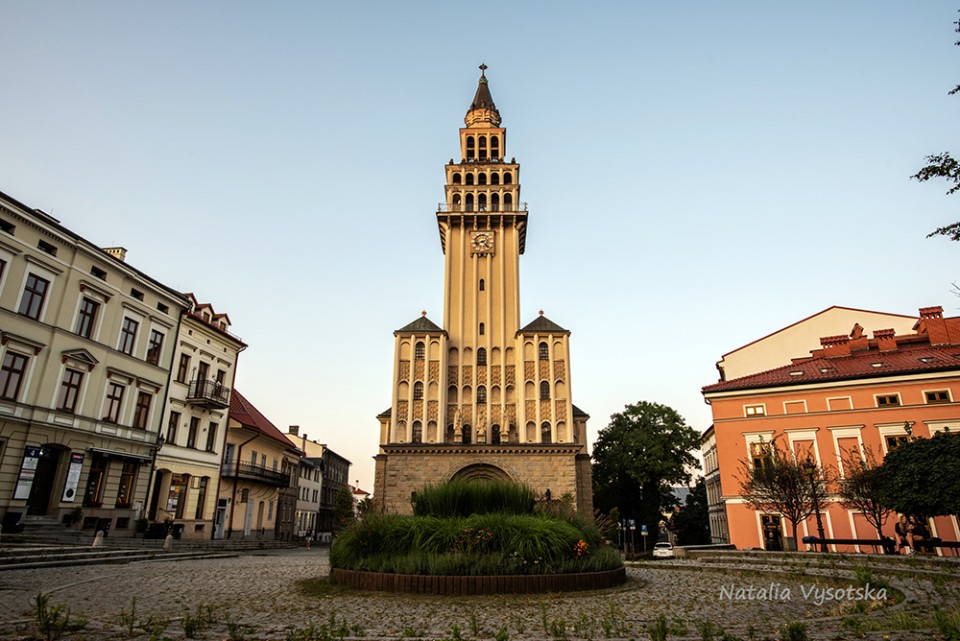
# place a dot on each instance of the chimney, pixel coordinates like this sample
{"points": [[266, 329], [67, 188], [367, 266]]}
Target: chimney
{"points": [[932, 324], [835, 345], [120, 253], [294, 429], [885, 339]]}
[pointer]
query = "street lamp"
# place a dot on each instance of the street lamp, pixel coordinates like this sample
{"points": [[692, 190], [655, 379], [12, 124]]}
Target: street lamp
{"points": [[811, 469]]}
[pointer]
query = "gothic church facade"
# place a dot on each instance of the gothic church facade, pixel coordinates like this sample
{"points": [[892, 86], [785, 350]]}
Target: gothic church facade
{"points": [[482, 397]]}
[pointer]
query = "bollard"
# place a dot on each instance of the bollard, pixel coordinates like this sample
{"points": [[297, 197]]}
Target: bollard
{"points": [[168, 542], [98, 539]]}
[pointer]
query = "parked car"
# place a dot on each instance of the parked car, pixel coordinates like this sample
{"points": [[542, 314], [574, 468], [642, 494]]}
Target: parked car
{"points": [[663, 550]]}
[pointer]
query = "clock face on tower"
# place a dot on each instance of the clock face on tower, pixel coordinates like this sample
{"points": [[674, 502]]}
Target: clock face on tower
{"points": [[482, 241]]}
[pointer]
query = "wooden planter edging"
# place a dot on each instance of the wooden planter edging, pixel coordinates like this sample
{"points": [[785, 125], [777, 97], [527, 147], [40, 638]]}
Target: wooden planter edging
{"points": [[465, 585]]}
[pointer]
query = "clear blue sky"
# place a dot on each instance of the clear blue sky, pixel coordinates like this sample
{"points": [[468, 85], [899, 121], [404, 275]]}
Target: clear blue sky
{"points": [[698, 174]]}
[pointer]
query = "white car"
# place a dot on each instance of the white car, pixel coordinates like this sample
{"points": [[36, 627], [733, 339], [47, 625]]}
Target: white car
{"points": [[663, 550]]}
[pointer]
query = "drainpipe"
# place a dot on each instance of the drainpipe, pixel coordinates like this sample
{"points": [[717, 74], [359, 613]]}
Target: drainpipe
{"points": [[166, 392]]}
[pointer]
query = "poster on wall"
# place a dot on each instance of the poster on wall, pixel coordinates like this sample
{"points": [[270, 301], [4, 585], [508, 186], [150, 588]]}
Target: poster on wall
{"points": [[73, 478], [28, 470]]}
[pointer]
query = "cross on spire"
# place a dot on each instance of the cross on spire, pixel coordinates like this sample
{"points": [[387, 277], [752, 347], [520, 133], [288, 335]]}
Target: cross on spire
{"points": [[483, 68]]}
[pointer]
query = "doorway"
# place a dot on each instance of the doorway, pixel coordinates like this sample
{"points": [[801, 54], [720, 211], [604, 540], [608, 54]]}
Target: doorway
{"points": [[43, 481], [772, 532]]}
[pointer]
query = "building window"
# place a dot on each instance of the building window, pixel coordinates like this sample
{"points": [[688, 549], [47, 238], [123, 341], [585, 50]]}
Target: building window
{"points": [[482, 329], [894, 442], [759, 454], [481, 356], [417, 435], [888, 400], [128, 335], [33, 294], [418, 391], [87, 317], [183, 369], [212, 436], [172, 427], [754, 410], [136, 293], [97, 272], [69, 390], [419, 351], [495, 435], [7, 227], [142, 411], [46, 247], [154, 347], [3, 266], [93, 496], [544, 390], [128, 478], [192, 434], [546, 434], [481, 395], [201, 496], [111, 413], [543, 352], [938, 396], [482, 285], [11, 375]]}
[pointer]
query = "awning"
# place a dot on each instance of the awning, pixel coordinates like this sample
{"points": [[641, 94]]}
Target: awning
{"points": [[119, 454]]}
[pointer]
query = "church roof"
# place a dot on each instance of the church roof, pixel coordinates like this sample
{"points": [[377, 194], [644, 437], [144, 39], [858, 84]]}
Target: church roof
{"points": [[385, 413], [482, 99], [542, 324], [579, 413], [420, 326]]}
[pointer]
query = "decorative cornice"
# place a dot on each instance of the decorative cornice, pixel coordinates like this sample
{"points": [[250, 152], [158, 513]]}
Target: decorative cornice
{"points": [[512, 449]]}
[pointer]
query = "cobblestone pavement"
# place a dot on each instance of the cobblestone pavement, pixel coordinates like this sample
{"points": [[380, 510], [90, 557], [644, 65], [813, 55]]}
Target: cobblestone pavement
{"points": [[258, 595]]}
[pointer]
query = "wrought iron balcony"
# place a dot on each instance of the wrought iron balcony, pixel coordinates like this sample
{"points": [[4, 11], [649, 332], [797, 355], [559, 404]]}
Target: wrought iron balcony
{"points": [[208, 393], [256, 473]]}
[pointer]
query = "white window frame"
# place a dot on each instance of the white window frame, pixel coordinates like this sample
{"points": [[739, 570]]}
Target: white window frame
{"points": [[852, 431], [890, 429], [938, 389], [37, 269], [792, 402], [747, 407], [876, 400], [840, 398]]}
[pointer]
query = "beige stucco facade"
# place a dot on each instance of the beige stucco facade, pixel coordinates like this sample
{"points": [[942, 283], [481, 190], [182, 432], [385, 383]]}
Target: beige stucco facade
{"points": [[86, 346], [187, 470], [482, 396]]}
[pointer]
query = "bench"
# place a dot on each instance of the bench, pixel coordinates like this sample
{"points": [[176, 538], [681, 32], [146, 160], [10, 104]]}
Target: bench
{"points": [[888, 545]]}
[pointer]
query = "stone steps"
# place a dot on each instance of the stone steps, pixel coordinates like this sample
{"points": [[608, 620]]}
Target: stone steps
{"points": [[58, 557]]}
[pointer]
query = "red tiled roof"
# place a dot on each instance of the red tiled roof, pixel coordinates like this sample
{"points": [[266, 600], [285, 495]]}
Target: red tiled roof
{"points": [[906, 359], [243, 411]]}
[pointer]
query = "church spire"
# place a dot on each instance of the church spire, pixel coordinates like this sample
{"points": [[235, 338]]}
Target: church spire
{"points": [[482, 112]]}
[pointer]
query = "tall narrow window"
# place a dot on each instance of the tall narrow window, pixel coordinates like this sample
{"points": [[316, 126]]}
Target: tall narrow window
{"points": [[154, 347], [142, 412], [128, 478], [482, 285], [495, 435], [93, 496], [543, 352], [128, 335], [470, 148], [69, 390], [202, 370], [417, 436], [111, 410], [212, 436], [481, 395], [87, 318], [482, 356], [544, 390], [172, 425], [546, 434], [192, 434], [418, 391], [419, 351], [11, 375], [183, 369], [34, 292], [482, 329], [201, 496]]}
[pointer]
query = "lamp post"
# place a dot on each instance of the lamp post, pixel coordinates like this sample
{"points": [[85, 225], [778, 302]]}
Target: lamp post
{"points": [[811, 469]]}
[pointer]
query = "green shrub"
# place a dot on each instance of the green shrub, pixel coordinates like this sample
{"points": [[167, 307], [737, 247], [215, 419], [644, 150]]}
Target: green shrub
{"points": [[464, 498]]}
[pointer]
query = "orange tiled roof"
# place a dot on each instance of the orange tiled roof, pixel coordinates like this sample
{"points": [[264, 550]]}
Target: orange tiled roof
{"points": [[244, 412]]}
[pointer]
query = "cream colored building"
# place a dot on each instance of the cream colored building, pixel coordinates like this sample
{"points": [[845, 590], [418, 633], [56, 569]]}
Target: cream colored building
{"points": [[187, 471], [86, 346], [258, 487], [482, 396]]}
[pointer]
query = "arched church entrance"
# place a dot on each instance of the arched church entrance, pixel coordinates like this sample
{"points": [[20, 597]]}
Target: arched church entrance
{"points": [[480, 472]]}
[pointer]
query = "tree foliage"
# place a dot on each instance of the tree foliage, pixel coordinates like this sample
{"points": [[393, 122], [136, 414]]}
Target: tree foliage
{"points": [[945, 166], [861, 488], [646, 448], [781, 484], [343, 514], [692, 522], [920, 478]]}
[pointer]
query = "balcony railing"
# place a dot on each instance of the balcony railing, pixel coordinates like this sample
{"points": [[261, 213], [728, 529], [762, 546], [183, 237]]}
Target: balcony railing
{"points": [[207, 393], [475, 209], [252, 472]]}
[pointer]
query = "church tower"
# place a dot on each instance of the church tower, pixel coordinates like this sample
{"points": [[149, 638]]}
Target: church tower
{"points": [[482, 397]]}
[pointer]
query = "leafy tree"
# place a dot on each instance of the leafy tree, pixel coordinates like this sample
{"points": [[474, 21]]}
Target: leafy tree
{"points": [[645, 449], [343, 514], [692, 522], [920, 477], [945, 166], [780, 483], [862, 488]]}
